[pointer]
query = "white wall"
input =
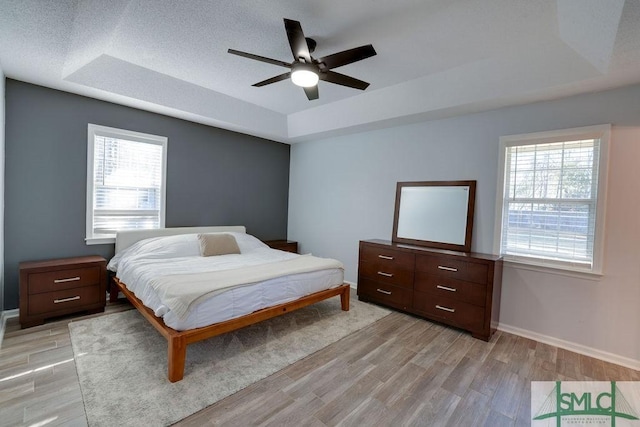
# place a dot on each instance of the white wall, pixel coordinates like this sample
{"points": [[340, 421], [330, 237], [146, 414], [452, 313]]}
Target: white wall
{"points": [[342, 190]]}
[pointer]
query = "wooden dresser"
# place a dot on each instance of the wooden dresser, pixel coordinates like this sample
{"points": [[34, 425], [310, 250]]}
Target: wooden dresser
{"points": [[61, 286], [460, 289]]}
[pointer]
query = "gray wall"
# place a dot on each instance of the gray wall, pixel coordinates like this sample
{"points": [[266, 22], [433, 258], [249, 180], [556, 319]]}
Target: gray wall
{"points": [[2, 126], [214, 176], [342, 190]]}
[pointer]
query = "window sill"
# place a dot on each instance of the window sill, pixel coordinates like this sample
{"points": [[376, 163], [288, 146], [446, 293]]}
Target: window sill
{"points": [[100, 240], [552, 269]]}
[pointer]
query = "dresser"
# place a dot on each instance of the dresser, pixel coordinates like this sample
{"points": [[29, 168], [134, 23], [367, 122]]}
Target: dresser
{"points": [[61, 286], [461, 289]]}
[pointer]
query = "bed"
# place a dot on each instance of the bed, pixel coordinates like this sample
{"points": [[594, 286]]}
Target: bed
{"points": [[189, 297]]}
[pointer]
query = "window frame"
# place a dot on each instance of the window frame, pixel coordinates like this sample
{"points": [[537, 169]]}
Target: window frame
{"points": [[94, 130], [601, 132]]}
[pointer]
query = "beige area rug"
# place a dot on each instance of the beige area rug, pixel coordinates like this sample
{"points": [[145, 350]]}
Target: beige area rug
{"points": [[122, 360]]}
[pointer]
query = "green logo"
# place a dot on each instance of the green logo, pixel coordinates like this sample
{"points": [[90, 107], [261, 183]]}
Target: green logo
{"points": [[587, 404]]}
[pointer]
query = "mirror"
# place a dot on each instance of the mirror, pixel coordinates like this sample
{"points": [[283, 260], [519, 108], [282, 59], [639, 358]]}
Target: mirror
{"points": [[437, 214]]}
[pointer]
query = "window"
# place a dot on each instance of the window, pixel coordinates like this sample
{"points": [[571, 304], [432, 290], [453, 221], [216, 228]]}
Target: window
{"points": [[551, 194], [126, 173]]}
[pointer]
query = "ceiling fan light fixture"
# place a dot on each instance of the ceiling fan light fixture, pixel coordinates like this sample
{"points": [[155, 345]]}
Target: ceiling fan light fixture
{"points": [[304, 75]]}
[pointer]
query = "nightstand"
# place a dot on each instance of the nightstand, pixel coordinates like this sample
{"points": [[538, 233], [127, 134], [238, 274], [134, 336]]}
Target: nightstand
{"points": [[57, 287], [283, 245]]}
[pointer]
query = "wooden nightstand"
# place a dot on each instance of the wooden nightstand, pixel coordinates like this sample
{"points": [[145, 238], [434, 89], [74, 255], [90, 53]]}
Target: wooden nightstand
{"points": [[283, 245], [61, 286]]}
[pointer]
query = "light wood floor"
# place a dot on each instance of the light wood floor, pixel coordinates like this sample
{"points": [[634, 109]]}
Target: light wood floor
{"points": [[398, 371]]}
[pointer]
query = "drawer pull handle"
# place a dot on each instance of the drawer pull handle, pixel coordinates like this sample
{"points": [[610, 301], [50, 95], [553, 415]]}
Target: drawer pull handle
{"points": [[382, 291], [58, 301], [385, 257], [382, 273], [450, 310], [70, 279], [446, 288], [442, 267]]}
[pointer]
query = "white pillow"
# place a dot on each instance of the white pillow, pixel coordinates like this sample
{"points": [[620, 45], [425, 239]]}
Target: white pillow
{"points": [[247, 242], [181, 245]]}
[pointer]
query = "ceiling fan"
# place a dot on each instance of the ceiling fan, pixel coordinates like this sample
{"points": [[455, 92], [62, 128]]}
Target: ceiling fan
{"points": [[305, 70]]}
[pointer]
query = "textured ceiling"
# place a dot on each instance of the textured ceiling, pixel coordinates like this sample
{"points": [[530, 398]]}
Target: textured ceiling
{"points": [[436, 58]]}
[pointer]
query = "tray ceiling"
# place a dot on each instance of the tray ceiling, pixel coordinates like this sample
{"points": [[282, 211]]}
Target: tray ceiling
{"points": [[435, 58]]}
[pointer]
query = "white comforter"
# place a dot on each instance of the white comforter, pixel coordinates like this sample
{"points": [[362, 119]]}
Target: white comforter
{"points": [[147, 260], [181, 292], [141, 269]]}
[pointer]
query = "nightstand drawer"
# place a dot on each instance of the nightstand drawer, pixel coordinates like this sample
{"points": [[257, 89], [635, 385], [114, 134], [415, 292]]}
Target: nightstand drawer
{"points": [[55, 287], [56, 280], [51, 302], [283, 245]]}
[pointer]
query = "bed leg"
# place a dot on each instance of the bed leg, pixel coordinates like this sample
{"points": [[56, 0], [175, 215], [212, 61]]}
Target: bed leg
{"points": [[344, 298], [177, 354]]}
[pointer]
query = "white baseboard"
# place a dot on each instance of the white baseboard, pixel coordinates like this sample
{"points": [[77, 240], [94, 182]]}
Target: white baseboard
{"points": [[572, 346], [6, 314], [353, 285]]}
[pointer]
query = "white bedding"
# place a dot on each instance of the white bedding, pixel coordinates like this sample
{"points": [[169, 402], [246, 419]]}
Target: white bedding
{"points": [[137, 265]]}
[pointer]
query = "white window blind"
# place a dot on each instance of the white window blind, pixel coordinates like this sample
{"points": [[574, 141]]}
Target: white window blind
{"points": [[126, 173], [550, 205]]}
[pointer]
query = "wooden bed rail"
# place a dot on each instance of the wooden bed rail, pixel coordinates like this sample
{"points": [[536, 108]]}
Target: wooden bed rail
{"points": [[178, 340]]}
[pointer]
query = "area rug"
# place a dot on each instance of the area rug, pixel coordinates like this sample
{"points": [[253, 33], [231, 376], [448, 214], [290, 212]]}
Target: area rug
{"points": [[122, 360]]}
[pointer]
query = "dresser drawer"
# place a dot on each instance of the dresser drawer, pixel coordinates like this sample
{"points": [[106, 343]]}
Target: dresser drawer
{"points": [[382, 257], [452, 268], [449, 310], [389, 274], [63, 279], [50, 302], [473, 293], [385, 294]]}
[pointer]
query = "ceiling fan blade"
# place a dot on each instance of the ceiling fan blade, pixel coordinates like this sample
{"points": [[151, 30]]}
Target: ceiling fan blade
{"points": [[312, 92], [275, 79], [259, 58], [347, 56], [341, 79], [298, 43]]}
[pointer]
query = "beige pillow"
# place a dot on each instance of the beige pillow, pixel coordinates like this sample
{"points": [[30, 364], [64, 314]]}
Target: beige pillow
{"points": [[217, 244]]}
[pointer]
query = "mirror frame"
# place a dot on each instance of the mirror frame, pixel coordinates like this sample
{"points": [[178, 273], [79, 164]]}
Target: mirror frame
{"points": [[466, 247]]}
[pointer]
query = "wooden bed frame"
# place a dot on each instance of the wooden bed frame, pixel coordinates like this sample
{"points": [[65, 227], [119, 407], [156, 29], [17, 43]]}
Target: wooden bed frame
{"points": [[178, 340]]}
